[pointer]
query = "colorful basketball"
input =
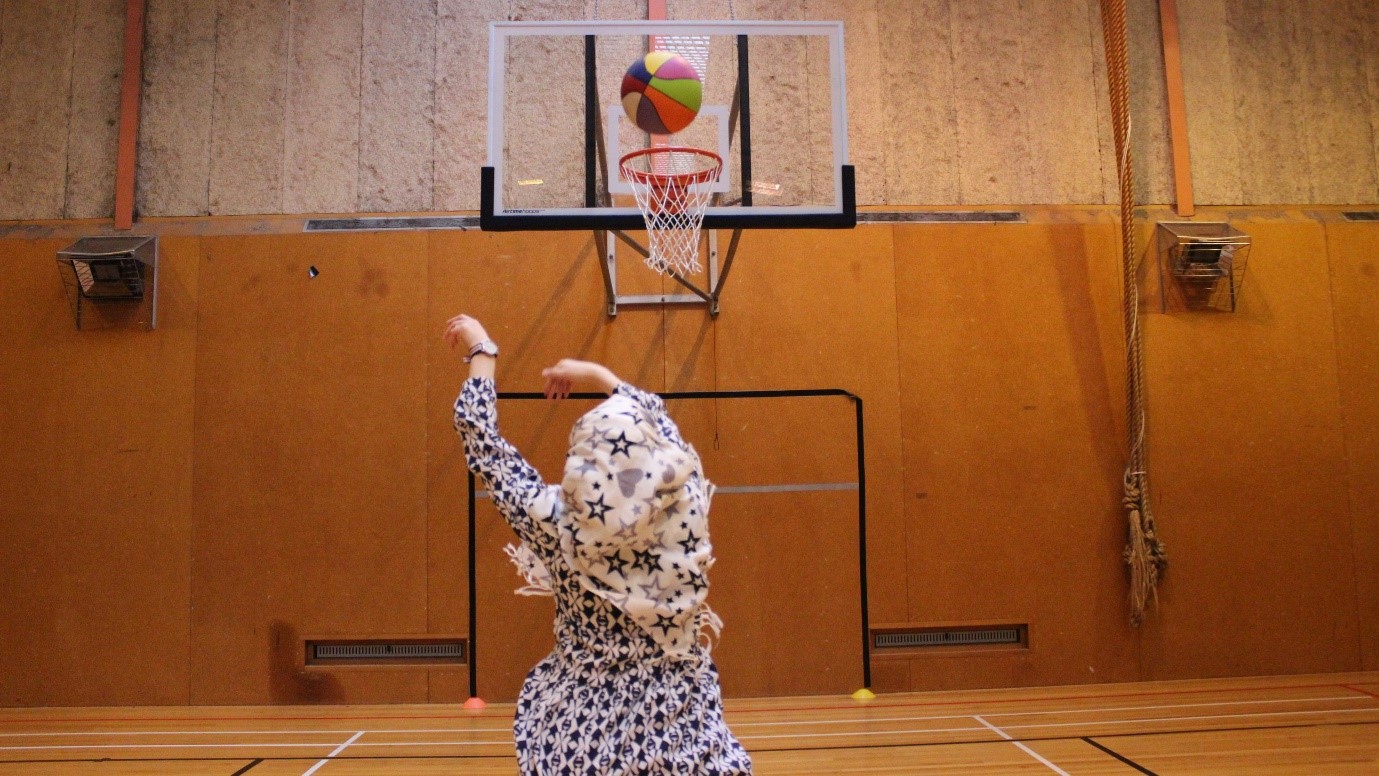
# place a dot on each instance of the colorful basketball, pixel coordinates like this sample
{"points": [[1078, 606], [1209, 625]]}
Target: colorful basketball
{"points": [[661, 93]]}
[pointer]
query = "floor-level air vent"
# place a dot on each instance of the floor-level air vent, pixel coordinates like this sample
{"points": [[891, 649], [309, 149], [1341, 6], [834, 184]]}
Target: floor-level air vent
{"points": [[941, 217], [384, 652], [1361, 215], [376, 224], [912, 638]]}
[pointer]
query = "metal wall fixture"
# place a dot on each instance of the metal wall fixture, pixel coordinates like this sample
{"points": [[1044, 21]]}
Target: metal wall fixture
{"points": [[114, 277], [1201, 264]]}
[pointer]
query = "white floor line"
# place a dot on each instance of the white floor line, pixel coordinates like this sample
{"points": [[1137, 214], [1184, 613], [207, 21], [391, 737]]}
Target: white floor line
{"points": [[159, 746], [813, 734], [333, 754], [733, 725], [1134, 720], [280, 732], [1023, 748], [747, 737], [763, 736], [1090, 723], [1047, 712], [84, 747]]}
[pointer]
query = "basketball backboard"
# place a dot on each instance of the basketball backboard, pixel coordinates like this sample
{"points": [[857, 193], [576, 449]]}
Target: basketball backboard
{"points": [[774, 108]]}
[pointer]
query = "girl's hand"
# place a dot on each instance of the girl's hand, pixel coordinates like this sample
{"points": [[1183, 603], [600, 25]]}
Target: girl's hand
{"points": [[464, 330], [568, 373]]}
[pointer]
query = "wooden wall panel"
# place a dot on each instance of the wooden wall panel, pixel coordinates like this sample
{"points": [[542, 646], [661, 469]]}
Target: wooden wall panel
{"points": [[1065, 160], [278, 107], [1371, 62], [1354, 253], [462, 108], [1106, 141], [310, 492], [95, 474], [1009, 418], [786, 584], [321, 133], [248, 111], [175, 113], [308, 482], [992, 116], [1149, 133], [1249, 475], [1210, 91], [97, 64], [35, 88], [814, 310], [865, 60], [919, 78], [1264, 61], [396, 131], [1338, 140]]}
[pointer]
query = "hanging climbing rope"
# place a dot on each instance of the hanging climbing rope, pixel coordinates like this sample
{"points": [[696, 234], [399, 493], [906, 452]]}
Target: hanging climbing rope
{"points": [[1144, 553]]}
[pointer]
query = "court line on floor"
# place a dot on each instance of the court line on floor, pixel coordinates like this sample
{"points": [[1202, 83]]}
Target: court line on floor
{"points": [[910, 745], [1033, 699], [1250, 715], [1119, 756], [1360, 690], [782, 723], [762, 710], [1021, 745], [747, 737], [1036, 739], [1047, 712], [333, 754]]}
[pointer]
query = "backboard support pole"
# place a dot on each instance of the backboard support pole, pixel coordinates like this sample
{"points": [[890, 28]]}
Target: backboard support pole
{"points": [[744, 118], [594, 151]]}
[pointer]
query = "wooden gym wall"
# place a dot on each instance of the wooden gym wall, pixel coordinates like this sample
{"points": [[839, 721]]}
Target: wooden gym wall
{"points": [[299, 106], [275, 460], [181, 507]]}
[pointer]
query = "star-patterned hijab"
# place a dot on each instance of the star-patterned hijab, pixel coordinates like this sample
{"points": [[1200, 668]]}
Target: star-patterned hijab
{"points": [[634, 527]]}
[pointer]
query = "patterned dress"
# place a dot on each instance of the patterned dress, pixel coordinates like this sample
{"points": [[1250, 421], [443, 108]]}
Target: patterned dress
{"points": [[608, 699]]}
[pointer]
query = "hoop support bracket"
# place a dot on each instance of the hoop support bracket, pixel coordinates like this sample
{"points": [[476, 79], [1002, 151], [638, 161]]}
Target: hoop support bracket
{"points": [[717, 271]]}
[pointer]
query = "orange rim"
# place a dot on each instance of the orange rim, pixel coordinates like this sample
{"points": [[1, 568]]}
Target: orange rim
{"points": [[677, 180]]}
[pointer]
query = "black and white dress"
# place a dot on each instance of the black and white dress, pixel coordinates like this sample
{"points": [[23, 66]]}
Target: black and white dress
{"points": [[614, 697]]}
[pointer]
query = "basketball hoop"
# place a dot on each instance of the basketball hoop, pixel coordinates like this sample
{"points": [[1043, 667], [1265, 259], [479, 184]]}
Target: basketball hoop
{"points": [[667, 182]]}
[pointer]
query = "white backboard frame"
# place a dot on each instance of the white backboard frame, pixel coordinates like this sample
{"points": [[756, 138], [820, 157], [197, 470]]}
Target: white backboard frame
{"points": [[501, 32]]}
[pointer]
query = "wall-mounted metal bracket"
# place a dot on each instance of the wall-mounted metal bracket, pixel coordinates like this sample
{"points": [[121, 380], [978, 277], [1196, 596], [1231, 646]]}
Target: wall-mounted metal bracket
{"points": [[718, 274]]}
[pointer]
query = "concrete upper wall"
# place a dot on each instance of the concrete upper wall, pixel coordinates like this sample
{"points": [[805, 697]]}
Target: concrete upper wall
{"points": [[284, 106]]}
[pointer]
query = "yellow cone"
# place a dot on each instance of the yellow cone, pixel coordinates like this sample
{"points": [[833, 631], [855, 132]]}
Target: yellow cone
{"points": [[864, 695]]}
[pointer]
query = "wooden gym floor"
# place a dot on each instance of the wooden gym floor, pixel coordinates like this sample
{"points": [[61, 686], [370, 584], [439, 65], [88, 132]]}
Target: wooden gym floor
{"points": [[1324, 724]]}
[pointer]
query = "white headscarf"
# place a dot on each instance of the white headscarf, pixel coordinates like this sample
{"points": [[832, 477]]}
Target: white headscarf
{"points": [[634, 527]]}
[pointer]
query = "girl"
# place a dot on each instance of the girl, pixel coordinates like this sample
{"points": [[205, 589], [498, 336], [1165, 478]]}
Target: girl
{"points": [[623, 546]]}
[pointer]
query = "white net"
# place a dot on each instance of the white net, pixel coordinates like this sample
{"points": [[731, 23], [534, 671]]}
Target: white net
{"points": [[672, 186], [694, 48]]}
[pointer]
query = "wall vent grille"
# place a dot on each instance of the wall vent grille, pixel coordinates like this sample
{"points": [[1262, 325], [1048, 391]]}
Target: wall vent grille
{"points": [[384, 652], [951, 637], [941, 217], [386, 223], [1360, 215]]}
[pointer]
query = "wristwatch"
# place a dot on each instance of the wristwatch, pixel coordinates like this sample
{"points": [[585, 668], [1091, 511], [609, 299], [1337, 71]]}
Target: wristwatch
{"points": [[487, 348]]}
